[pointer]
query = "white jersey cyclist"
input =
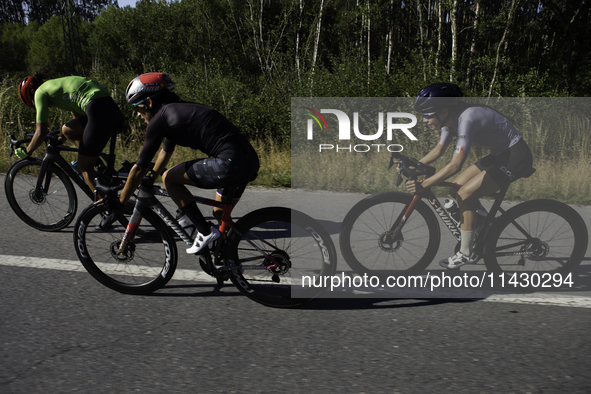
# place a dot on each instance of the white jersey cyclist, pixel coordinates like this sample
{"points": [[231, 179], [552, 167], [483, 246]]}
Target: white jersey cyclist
{"points": [[481, 127], [474, 126]]}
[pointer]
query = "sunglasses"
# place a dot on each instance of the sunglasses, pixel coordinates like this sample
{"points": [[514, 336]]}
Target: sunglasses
{"points": [[429, 116]]}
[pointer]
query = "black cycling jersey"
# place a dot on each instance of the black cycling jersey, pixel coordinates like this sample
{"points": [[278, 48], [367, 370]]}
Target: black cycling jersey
{"points": [[232, 161], [186, 124]]}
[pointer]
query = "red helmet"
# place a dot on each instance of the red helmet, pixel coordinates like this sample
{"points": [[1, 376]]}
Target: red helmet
{"points": [[24, 91], [147, 85]]}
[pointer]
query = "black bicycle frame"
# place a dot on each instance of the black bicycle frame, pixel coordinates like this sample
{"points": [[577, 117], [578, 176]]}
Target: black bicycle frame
{"points": [[147, 200], [52, 155]]}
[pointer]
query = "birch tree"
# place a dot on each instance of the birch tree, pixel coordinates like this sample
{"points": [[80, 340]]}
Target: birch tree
{"points": [[501, 45]]}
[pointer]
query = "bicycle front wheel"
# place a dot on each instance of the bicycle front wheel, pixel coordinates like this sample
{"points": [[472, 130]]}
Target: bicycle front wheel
{"points": [[148, 263], [369, 246], [51, 208], [535, 238], [281, 256]]}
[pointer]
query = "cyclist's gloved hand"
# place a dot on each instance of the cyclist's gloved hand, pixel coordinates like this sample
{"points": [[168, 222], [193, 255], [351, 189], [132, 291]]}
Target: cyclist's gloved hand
{"points": [[21, 153], [148, 181]]}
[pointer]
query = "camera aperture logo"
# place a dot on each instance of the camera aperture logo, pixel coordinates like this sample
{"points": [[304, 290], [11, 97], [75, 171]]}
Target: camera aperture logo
{"points": [[344, 130]]}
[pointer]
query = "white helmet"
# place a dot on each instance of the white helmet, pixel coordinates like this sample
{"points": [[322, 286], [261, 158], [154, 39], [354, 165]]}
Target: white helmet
{"points": [[147, 85]]}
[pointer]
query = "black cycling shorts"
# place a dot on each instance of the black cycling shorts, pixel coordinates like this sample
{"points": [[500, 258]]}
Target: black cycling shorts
{"points": [[509, 165], [229, 172], [103, 118]]}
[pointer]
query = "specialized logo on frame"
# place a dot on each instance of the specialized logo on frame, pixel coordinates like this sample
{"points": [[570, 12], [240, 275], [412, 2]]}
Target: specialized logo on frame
{"points": [[390, 122]]}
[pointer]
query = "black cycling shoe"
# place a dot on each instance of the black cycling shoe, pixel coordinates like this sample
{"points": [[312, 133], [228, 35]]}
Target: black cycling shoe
{"points": [[107, 222]]}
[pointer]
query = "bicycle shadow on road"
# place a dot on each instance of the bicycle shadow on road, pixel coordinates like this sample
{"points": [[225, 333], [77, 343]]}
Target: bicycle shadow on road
{"points": [[331, 227], [195, 290], [335, 304]]}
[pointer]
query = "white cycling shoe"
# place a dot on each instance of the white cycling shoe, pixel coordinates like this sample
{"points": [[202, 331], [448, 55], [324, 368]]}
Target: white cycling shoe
{"points": [[201, 241], [458, 260]]}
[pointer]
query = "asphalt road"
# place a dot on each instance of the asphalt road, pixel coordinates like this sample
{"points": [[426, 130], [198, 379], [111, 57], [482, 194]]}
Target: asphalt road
{"points": [[61, 331]]}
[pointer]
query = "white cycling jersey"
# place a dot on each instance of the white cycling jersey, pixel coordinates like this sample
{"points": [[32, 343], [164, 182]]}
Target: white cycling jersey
{"points": [[481, 127]]}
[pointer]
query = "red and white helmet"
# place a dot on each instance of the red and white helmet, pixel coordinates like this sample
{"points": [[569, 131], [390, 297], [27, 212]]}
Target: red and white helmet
{"points": [[24, 91], [147, 85]]}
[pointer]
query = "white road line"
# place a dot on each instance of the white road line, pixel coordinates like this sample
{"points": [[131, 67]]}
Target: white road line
{"points": [[542, 299], [76, 266], [200, 276]]}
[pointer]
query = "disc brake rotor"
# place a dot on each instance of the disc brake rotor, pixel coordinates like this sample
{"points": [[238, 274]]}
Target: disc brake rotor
{"points": [[127, 256], [388, 244]]}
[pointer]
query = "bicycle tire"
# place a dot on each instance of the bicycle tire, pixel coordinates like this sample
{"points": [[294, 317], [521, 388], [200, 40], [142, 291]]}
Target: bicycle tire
{"points": [[54, 209], [149, 263], [558, 242], [299, 243], [365, 243]]}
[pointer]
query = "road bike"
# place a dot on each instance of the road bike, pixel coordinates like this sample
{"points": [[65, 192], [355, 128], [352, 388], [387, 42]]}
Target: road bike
{"points": [[394, 233], [41, 192], [272, 255]]}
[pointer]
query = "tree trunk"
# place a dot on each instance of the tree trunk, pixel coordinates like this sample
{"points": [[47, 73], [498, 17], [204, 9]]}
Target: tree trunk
{"points": [[501, 44], [368, 25], [317, 39], [473, 44], [299, 31], [389, 39], [439, 37], [454, 39], [422, 39]]}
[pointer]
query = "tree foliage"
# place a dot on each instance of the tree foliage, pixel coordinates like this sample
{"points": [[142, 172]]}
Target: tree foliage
{"points": [[248, 57]]}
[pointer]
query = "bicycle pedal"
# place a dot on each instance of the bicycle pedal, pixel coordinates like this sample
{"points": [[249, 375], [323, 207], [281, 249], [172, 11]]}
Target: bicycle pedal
{"points": [[224, 275]]}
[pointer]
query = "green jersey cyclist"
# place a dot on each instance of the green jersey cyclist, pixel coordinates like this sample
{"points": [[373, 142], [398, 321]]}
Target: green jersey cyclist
{"points": [[96, 116], [232, 160], [475, 126]]}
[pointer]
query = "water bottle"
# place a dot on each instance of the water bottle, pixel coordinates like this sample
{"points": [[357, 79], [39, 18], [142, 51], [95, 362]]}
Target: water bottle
{"points": [[481, 215], [76, 170], [186, 223], [452, 208]]}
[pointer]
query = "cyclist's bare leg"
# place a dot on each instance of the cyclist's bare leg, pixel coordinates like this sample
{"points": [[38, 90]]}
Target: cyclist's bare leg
{"points": [[464, 177], [475, 184], [174, 181], [219, 212], [471, 203], [73, 131], [479, 186], [86, 167]]}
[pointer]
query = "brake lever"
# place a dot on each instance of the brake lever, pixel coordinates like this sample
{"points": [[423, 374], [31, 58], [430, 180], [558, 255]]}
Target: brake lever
{"points": [[399, 181], [14, 144]]}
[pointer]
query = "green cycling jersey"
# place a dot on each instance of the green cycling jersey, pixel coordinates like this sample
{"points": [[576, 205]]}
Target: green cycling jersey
{"points": [[71, 94]]}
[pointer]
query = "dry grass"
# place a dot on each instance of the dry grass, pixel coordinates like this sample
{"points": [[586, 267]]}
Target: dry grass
{"points": [[567, 180], [561, 147]]}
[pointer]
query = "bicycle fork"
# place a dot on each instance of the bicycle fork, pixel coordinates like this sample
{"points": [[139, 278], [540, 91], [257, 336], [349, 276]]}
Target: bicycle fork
{"points": [[130, 231], [133, 225]]}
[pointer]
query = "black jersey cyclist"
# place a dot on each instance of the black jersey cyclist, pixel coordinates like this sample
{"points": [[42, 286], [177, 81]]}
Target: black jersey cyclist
{"points": [[232, 160], [96, 116], [475, 126]]}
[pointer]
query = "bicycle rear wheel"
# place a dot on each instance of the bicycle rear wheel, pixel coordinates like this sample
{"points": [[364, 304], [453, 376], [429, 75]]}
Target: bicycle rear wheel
{"points": [[147, 265], [537, 239], [367, 243], [50, 210], [279, 252]]}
